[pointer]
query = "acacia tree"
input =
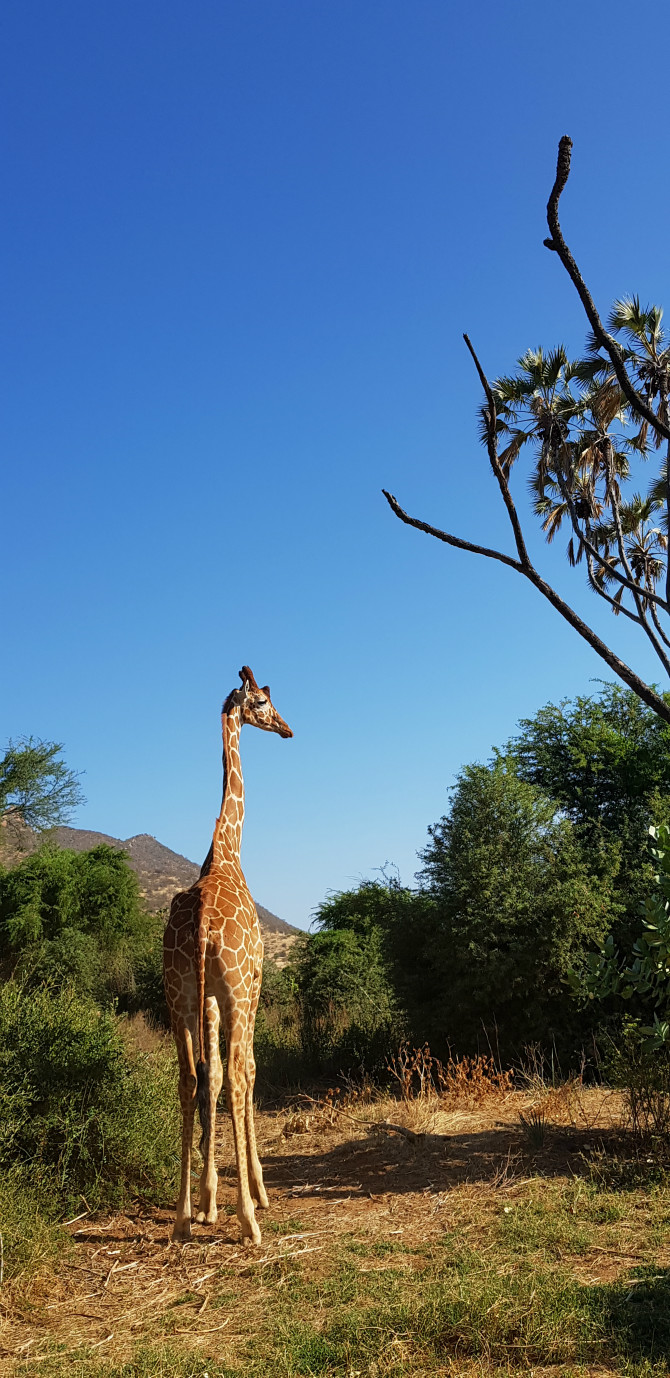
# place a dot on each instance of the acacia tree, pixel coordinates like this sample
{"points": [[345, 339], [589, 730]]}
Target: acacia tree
{"points": [[36, 787], [585, 421]]}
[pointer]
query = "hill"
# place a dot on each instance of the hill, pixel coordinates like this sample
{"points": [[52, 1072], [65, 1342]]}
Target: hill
{"points": [[160, 871]]}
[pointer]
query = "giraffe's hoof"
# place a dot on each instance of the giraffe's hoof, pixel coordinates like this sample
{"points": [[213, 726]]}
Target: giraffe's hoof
{"points": [[251, 1235], [207, 1217], [261, 1198], [181, 1233]]}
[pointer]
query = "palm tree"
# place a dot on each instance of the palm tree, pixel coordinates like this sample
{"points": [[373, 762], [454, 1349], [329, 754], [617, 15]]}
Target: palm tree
{"points": [[587, 425]]}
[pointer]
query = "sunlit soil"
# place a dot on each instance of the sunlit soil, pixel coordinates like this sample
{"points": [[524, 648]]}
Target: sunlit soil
{"points": [[365, 1220]]}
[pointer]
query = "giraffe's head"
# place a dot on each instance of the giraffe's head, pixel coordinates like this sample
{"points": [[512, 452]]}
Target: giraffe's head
{"points": [[256, 706]]}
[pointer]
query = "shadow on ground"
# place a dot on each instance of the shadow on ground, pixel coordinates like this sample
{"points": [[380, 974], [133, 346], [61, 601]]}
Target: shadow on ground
{"points": [[636, 1313], [387, 1163]]}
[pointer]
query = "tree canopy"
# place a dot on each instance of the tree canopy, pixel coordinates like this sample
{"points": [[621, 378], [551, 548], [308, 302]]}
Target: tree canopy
{"points": [[36, 786], [541, 853], [518, 900], [77, 916]]}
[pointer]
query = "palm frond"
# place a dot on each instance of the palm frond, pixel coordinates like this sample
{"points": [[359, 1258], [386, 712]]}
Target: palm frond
{"points": [[552, 522], [616, 604], [512, 451], [628, 316]]}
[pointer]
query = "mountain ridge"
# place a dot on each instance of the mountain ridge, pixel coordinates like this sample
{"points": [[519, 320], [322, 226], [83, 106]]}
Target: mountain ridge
{"points": [[161, 873]]}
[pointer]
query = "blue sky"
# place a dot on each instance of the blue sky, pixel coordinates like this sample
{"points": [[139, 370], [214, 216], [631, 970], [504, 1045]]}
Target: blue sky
{"points": [[243, 241]]}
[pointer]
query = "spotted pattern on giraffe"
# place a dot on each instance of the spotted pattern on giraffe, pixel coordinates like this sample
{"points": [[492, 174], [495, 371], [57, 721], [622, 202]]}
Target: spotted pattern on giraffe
{"points": [[213, 961]]}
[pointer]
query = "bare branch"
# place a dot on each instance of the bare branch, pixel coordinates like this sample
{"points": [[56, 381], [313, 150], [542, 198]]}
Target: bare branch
{"points": [[492, 447], [602, 593], [619, 667], [605, 340], [450, 540], [657, 625]]}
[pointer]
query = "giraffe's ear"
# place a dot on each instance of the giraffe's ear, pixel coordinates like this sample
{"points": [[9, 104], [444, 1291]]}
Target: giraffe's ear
{"points": [[265, 689], [247, 677]]}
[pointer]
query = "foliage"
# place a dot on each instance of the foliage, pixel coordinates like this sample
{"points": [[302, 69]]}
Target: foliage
{"points": [[640, 1066], [28, 1219], [511, 898], [517, 902], [277, 1045], [405, 921], [89, 1114], [35, 786], [584, 433], [645, 973], [347, 1010], [77, 916], [606, 760]]}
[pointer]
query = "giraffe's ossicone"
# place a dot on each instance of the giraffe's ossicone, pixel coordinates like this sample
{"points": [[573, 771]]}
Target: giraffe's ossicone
{"points": [[212, 964]]}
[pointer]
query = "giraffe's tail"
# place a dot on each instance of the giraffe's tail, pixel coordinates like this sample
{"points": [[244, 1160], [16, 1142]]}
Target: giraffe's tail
{"points": [[202, 1066], [202, 1093]]}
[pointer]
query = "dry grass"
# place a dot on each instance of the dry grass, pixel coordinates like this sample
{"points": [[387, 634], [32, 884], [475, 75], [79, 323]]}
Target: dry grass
{"points": [[458, 1252], [462, 1082]]}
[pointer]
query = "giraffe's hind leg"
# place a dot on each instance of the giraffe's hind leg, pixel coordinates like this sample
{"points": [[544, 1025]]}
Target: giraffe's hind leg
{"points": [[187, 1087], [236, 1087], [256, 1184], [208, 1094]]}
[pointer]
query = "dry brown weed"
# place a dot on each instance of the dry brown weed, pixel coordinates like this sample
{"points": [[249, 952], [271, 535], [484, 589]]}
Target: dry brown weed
{"points": [[465, 1081]]}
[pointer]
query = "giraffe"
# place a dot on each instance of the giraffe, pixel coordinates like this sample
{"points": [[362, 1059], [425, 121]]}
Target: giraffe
{"points": [[212, 962]]}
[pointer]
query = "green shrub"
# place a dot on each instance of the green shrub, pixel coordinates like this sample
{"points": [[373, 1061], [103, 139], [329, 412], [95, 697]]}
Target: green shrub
{"points": [[277, 1047], [77, 917], [148, 990], [28, 1222], [519, 901], [348, 1016], [86, 1111], [642, 1072]]}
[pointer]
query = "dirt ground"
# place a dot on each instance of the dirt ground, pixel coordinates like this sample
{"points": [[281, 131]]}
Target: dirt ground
{"points": [[328, 1176]]}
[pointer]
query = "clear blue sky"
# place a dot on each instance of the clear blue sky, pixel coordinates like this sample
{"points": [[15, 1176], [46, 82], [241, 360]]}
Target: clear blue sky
{"points": [[242, 242]]}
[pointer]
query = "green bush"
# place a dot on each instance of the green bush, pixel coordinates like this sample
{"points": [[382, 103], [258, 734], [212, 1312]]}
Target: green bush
{"points": [[54, 889], [518, 900], [348, 1015], [277, 1047], [87, 1112], [77, 917], [148, 990], [28, 1222], [642, 1072]]}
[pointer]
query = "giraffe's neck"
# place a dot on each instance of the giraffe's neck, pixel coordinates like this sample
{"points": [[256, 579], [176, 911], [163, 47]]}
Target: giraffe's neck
{"points": [[227, 838]]}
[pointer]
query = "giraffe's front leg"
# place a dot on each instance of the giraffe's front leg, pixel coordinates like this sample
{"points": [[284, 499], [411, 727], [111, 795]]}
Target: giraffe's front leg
{"points": [[208, 1095]]}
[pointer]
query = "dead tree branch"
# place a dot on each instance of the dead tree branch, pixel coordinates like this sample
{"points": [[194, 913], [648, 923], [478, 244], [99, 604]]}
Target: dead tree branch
{"points": [[619, 667], [606, 341], [644, 598]]}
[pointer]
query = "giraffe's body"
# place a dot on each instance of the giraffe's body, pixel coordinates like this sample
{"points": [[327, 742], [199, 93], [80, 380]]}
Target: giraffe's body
{"points": [[213, 958]]}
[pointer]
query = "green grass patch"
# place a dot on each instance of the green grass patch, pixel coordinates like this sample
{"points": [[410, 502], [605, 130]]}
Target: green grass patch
{"points": [[284, 1226], [541, 1227], [495, 1315], [29, 1227], [150, 1361]]}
